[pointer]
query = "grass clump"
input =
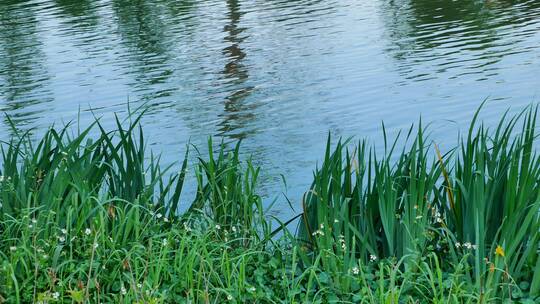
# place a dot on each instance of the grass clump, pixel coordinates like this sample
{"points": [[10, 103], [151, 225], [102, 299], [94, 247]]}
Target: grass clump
{"points": [[95, 219]]}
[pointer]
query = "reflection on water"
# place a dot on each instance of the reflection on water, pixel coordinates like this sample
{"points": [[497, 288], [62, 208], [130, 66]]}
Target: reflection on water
{"points": [[235, 72], [25, 78], [469, 36], [277, 74]]}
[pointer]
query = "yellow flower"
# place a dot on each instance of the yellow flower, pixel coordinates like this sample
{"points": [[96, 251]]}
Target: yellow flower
{"points": [[499, 251]]}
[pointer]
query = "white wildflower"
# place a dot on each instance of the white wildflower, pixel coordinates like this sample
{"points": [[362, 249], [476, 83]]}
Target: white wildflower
{"points": [[372, 257], [341, 240], [56, 295], [233, 229], [96, 245], [165, 242], [218, 227], [458, 244], [251, 289], [355, 270], [34, 221], [64, 231], [139, 285], [61, 239], [229, 297], [123, 290], [166, 219], [159, 215], [12, 248], [87, 231], [318, 232]]}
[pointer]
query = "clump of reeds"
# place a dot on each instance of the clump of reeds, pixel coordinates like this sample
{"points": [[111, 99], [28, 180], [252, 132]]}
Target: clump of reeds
{"points": [[480, 200]]}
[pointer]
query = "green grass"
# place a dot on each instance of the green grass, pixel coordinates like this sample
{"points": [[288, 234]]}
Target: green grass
{"points": [[94, 219]]}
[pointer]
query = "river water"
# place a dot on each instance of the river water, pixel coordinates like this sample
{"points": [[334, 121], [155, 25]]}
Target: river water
{"points": [[280, 75]]}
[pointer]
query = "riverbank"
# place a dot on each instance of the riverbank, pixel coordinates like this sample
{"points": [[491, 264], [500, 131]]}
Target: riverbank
{"points": [[92, 219]]}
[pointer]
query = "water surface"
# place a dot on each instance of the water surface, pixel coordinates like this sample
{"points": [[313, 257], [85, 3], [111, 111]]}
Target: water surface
{"points": [[277, 74]]}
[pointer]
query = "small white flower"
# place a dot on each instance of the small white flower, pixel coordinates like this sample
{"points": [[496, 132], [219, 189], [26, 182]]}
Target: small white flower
{"points": [[96, 245], [229, 297], [87, 231], [372, 257], [64, 231], [159, 215], [56, 295], [336, 221], [61, 239], [233, 229], [458, 244], [139, 285], [12, 248], [30, 226], [318, 232], [218, 227], [251, 289], [166, 219], [165, 242], [34, 221], [467, 245], [123, 290], [355, 270]]}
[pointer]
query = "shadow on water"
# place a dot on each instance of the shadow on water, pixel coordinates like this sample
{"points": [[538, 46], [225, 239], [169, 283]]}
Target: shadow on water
{"points": [[24, 78], [237, 112], [451, 33]]}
